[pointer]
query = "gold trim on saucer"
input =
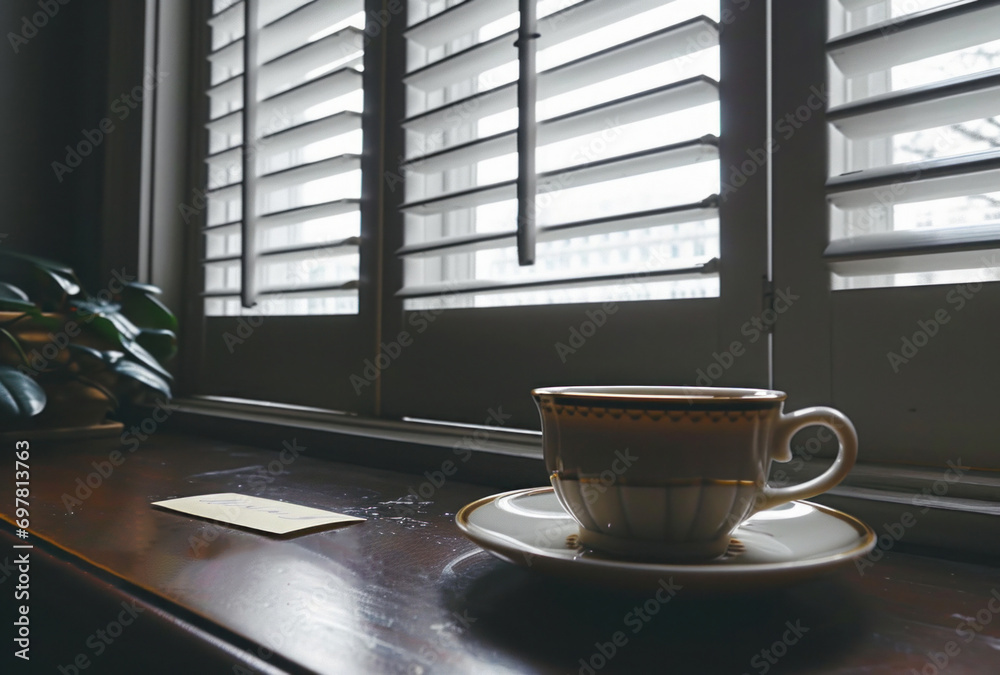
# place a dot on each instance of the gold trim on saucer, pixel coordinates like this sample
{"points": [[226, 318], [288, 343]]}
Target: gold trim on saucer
{"points": [[710, 577]]}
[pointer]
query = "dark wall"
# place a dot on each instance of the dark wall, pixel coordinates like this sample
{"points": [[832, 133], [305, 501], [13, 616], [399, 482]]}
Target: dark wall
{"points": [[58, 82]]}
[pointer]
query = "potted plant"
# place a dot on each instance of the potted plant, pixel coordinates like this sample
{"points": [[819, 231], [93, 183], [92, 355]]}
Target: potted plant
{"points": [[72, 359]]}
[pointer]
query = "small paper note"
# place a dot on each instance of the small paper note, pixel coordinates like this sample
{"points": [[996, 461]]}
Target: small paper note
{"points": [[256, 513]]}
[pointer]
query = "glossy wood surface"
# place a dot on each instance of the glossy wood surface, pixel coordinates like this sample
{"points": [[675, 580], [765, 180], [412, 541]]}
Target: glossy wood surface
{"points": [[404, 592]]}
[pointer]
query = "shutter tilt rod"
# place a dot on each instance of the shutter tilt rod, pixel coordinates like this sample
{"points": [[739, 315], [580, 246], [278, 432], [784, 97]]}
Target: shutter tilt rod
{"points": [[248, 234], [526, 97]]}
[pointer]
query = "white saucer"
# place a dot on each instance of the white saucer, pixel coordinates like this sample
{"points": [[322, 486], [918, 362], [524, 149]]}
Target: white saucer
{"points": [[783, 545]]}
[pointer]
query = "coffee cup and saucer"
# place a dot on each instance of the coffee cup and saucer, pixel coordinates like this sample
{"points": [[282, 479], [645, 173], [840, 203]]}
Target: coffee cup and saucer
{"points": [[657, 482]]}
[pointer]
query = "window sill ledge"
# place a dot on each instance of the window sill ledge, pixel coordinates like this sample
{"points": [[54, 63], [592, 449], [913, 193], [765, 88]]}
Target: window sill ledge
{"points": [[952, 509], [397, 594]]}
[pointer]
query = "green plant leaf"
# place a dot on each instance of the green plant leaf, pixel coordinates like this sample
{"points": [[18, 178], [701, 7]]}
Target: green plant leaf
{"points": [[143, 375], [12, 339], [43, 263], [86, 352], [20, 396], [44, 281], [49, 281], [145, 309], [102, 325], [139, 354], [162, 344], [14, 305], [13, 299], [13, 292], [49, 323], [94, 359], [90, 309], [148, 289], [124, 326], [109, 329], [91, 306]]}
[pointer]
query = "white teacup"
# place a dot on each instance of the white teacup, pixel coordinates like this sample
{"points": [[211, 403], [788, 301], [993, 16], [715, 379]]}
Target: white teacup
{"points": [[670, 472]]}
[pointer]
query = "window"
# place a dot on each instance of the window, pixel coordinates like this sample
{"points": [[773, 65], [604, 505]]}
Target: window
{"points": [[915, 144], [628, 110], [637, 109], [896, 321], [701, 218], [284, 144], [636, 119], [283, 152]]}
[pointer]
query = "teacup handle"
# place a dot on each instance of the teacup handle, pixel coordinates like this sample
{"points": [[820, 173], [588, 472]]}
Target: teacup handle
{"points": [[781, 452]]}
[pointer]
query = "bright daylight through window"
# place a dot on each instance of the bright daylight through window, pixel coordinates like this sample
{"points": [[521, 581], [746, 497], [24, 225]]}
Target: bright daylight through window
{"points": [[295, 241], [915, 143], [627, 153]]}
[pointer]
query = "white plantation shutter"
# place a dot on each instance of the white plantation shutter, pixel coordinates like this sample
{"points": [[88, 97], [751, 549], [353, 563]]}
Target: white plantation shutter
{"points": [[627, 153], [914, 189], [286, 131], [643, 271], [314, 267], [897, 323], [282, 228]]}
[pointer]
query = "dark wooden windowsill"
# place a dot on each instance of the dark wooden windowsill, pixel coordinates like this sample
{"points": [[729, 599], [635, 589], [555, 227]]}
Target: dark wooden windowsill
{"points": [[406, 593]]}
